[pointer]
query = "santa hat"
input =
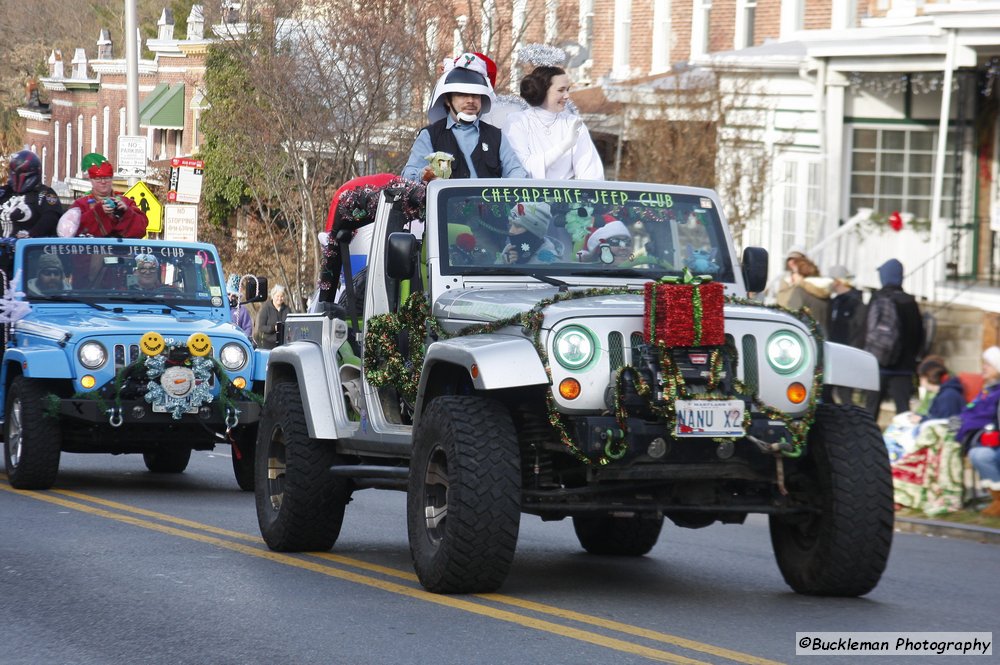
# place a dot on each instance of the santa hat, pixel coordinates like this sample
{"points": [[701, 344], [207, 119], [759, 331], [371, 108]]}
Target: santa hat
{"points": [[612, 229], [491, 69], [102, 170], [532, 217]]}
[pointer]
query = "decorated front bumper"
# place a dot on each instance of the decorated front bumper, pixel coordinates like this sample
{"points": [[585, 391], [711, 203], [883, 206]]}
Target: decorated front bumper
{"points": [[167, 381]]}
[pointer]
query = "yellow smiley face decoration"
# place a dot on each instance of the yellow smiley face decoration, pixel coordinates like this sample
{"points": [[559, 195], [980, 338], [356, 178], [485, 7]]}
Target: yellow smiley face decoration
{"points": [[199, 344], [151, 343]]}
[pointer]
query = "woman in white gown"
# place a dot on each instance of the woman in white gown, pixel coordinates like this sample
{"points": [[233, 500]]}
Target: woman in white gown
{"points": [[550, 141]]}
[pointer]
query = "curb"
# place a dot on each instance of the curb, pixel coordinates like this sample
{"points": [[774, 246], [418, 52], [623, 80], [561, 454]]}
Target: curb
{"points": [[939, 528]]}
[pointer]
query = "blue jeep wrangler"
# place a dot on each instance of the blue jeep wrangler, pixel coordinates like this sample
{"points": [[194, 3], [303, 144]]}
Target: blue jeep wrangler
{"points": [[123, 346]]}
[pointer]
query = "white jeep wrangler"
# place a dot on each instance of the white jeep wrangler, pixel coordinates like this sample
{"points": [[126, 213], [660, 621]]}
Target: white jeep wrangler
{"points": [[567, 349]]}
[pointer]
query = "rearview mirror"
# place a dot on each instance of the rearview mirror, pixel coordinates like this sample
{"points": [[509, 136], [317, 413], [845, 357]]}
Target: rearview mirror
{"points": [[401, 255], [755, 269]]}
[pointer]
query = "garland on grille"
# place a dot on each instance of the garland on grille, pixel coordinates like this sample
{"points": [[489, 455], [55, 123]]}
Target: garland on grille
{"points": [[392, 368], [152, 367]]}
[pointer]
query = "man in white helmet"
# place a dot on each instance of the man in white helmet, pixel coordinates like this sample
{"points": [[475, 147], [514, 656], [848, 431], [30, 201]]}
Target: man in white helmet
{"points": [[461, 96]]}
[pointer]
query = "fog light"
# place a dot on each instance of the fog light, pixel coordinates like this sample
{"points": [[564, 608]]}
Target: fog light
{"points": [[88, 381], [725, 450], [240, 382], [796, 393], [569, 388], [657, 448], [138, 412], [205, 412]]}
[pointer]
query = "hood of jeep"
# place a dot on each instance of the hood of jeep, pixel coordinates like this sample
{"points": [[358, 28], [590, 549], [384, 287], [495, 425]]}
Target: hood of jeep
{"points": [[79, 324], [487, 305]]}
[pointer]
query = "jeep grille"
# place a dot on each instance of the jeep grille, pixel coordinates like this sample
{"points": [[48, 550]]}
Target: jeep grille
{"points": [[616, 352]]}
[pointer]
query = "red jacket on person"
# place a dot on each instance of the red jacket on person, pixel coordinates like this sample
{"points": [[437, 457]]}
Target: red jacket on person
{"points": [[98, 223]]}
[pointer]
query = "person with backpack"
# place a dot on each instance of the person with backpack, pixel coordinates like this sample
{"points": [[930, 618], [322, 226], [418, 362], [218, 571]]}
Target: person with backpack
{"points": [[894, 334]]}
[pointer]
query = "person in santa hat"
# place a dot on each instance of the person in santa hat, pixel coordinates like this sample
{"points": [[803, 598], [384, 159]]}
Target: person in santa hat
{"points": [[609, 244], [102, 213], [461, 96]]}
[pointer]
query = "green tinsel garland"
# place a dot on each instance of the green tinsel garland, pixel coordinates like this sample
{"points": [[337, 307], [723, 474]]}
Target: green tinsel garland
{"points": [[393, 369]]}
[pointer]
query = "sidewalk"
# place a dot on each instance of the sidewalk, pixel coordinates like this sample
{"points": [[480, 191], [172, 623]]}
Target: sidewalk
{"points": [[944, 529]]}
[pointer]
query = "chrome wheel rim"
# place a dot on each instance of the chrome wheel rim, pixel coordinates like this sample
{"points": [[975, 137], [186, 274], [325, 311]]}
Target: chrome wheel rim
{"points": [[436, 494], [15, 437], [276, 469]]}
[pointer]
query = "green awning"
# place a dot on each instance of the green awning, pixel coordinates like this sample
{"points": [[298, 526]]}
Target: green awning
{"points": [[163, 108]]}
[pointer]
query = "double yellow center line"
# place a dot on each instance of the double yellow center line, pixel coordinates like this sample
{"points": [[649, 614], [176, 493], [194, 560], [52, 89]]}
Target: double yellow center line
{"points": [[320, 562]]}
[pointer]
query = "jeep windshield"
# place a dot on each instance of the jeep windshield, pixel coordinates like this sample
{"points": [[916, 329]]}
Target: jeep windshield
{"points": [[120, 272], [616, 230]]}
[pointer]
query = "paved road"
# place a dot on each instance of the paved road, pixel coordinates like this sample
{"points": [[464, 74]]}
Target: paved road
{"points": [[116, 565]]}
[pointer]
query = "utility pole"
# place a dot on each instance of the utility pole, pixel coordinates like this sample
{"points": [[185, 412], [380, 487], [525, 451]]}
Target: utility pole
{"points": [[131, 73]]}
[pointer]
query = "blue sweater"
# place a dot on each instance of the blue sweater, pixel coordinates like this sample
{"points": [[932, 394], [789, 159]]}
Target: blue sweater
{"points": [[949, 401]]}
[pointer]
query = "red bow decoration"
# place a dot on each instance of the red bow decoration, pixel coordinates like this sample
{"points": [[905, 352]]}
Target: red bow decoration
{"points": [[896, 221]]}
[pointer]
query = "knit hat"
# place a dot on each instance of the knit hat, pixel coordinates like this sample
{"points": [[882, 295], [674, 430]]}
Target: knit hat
{"points": [[146, 258], [233, 285], [992, 357], [612, 229], [102, 170], [532, 217], [49, 262], [891, 273], [469, 75], [841, 274]]}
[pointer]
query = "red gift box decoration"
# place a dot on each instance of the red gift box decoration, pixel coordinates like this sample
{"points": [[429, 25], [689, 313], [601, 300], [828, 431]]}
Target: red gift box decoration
{"points": [[685, 311]]}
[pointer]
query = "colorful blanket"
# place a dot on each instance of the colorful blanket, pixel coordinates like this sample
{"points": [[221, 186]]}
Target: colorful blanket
{"points": [[930, 477]]}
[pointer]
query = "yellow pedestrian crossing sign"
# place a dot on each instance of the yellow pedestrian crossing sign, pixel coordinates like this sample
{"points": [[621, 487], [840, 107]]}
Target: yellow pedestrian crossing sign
{"points": [[147, 203]]}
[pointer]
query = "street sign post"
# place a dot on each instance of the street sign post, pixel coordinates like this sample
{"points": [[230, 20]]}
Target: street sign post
{"points": [[180, 223], [132, 157], [144, 199]]}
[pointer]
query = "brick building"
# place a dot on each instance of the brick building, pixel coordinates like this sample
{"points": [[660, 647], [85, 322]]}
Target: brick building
{"points": [[87, 100]]}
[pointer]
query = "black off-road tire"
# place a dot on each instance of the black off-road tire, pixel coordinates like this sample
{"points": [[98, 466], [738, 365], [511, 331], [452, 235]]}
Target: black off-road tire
{"points": [[32, 440], [845, 473], [613, 535], [167, 460], [243, 464], [465, 471], [300, 504]]}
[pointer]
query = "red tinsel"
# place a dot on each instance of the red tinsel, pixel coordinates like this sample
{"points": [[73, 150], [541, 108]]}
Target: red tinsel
{"points": [[676, 321]]}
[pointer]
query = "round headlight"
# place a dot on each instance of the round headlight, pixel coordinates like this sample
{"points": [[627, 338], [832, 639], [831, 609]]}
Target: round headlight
{"points": [[92, 355], [574, 347], [785, 352], [233, 356]]}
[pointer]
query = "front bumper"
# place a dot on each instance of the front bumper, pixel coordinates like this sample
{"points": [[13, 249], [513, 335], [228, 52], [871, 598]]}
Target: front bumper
{"points": [[140, 412]]}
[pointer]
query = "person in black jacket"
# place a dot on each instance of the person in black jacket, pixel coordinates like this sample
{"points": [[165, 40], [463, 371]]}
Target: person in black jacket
{"points": [[27, 207], [845, 321], [894, 334], [461, 96]]}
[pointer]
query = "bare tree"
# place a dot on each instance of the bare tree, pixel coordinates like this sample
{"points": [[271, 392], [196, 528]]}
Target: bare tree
{"points": [[690, 131]]}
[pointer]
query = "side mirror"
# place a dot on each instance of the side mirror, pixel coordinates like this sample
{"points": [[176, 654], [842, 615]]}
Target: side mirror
{"points": [[755, 269], [401, 255], [254, 288]]}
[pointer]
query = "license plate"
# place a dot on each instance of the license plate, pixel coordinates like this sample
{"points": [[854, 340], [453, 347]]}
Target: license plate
{"points": [[159, 408], [709, 417]]}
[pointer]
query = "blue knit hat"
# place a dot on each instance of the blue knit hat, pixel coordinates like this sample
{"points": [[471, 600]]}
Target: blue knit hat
{"points": [[233, 285], [891, 273]]}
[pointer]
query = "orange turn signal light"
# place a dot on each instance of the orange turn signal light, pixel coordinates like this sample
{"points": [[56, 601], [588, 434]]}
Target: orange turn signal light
{"points": [[569, 388], [474, 371], [796, 393]]}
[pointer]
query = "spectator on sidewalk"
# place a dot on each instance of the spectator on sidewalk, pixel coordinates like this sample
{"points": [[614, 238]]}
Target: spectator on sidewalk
{"points": [[846, 321], [894, 334], [271, 313]]}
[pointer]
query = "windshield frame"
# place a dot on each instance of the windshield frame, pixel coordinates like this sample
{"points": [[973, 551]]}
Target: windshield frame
{"points": [[631, 201], [114, 272]]}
